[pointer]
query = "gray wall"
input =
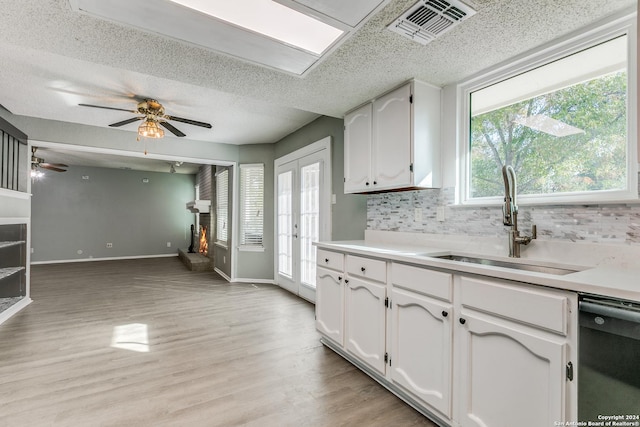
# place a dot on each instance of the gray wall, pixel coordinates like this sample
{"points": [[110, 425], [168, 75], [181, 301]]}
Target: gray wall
{"points": [[72, 214], [349, 213]]}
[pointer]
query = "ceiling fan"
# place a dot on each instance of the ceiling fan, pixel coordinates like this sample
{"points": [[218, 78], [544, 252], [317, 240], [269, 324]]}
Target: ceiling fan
{"points": [[152, 114], [38, 162]]}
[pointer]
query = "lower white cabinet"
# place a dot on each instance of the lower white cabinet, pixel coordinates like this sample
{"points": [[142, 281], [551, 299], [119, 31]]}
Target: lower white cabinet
{"points": [[365, 322], [420, 330], [466, 350], [513, 346], [509, 372], [330, 304]]}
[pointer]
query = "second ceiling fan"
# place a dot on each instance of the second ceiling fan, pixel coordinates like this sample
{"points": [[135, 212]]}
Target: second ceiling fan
{"points": [[153, 115]]}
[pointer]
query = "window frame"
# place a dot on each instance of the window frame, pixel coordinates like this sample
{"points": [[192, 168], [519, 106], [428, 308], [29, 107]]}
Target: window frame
{"points": [[218, 241], [557, 49], [243, 246]]}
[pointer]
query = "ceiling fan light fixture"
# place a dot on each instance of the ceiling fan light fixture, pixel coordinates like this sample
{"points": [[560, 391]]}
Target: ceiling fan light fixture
{"points": [[150, 129]]}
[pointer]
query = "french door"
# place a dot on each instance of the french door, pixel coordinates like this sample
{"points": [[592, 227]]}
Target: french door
{"points": [[302, 210]]}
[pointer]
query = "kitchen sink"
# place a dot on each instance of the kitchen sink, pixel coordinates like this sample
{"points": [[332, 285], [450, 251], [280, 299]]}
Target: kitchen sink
{"points": [[538, 268]]}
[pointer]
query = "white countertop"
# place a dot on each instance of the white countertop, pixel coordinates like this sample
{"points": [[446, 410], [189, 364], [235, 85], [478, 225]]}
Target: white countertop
{"points": [[596, 275]]}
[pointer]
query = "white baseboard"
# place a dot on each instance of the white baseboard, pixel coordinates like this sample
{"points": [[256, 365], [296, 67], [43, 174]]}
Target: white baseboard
{"points": [[221, 273], [63, 261], [263, 281]]}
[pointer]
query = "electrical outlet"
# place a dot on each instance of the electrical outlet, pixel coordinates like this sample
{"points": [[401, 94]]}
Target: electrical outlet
{"points": [[440, 213], [109, 245], [168, 244]]}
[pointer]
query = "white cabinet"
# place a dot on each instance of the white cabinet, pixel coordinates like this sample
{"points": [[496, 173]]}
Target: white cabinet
{"points": [[467, 350], [357, 149], [365, 308], [513, 344], [420, 330], [365, 322], [330, 295], [393, 142], [330, 304]]}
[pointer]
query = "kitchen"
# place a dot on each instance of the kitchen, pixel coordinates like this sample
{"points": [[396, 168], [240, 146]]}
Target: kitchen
{"points": [[480, 220]]}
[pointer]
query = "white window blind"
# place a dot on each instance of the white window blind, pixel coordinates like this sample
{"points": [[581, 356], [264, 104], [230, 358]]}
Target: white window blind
{"points": [[222, 207], [251, 204]]}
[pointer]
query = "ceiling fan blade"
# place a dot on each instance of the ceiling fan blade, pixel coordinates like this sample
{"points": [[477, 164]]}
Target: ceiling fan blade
{"points": [[57, 165], [172, 129], [52, 168], [108, 108], [125, 122], [188, 121]]}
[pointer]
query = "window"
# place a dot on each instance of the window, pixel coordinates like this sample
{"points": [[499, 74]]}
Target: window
{"points": [[560, 120], [251, 205], [222, 207]]}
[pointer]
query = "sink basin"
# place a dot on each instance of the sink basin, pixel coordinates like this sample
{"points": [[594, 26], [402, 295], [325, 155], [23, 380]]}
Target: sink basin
{"points": [[509, 264]]}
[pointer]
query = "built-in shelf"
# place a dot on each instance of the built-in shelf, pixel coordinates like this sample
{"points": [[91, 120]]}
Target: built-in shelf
{"points": [[9, 271], [9, 244], [13, 263]]}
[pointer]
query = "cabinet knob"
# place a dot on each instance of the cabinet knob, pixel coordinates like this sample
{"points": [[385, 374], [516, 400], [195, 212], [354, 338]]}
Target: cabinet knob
{"points": [[339, 278], [346, 281], [463, 320], [366, 183], [375, 182], [326, 260], [444, 314], [362, 269]]}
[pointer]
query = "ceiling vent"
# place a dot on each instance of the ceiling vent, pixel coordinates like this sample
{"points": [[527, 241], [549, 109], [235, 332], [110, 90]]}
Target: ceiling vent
{"points": [[428, 19]]}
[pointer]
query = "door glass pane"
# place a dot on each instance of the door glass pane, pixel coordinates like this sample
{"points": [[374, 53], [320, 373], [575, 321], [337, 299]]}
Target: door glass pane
{"points": [[285, 227], [309, 221]]}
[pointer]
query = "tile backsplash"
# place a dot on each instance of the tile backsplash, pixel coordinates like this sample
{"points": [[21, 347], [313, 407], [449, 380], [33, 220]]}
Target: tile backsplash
{"points": [[606, 223]]}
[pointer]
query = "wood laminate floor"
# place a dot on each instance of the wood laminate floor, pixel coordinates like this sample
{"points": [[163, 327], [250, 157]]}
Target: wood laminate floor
{"points": [[217, 354]]}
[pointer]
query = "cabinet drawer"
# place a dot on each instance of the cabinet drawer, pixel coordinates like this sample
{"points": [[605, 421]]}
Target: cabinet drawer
{"points": [[545, 309], [371, 269], [422, 280], [328, 259]]}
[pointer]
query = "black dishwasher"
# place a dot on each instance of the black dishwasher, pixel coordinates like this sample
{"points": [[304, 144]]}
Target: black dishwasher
{"points": [[609, 360]]}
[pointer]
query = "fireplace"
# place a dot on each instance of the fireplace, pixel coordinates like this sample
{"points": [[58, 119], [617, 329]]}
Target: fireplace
{"points": [[203, 241]]}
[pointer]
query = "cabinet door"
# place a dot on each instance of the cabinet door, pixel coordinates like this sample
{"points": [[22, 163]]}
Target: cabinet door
{"points": [[421, 347], [357, 150], [365, 322], [509, 374], [391, 153], [330, 304]]}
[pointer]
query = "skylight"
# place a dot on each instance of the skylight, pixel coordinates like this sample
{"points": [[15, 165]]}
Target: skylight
{"points": [[272, 20]]}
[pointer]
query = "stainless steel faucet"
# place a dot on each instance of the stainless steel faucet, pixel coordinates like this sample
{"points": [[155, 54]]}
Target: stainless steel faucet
{"points": [[510, 213]]}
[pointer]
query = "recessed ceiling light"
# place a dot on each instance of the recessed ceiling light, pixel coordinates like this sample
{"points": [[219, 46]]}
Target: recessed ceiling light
{"points": [[272, 20]]}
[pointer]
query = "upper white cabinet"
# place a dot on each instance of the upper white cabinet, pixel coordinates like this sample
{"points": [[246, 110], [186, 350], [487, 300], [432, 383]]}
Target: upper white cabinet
{"points": [[393, 141]]}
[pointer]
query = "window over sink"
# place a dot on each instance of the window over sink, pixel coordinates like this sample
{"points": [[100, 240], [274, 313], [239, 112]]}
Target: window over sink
{"points": [[563, 117]]}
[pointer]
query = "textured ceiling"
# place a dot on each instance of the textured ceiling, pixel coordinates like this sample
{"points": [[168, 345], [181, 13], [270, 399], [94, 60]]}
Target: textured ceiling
{"points": [[53, 58]]}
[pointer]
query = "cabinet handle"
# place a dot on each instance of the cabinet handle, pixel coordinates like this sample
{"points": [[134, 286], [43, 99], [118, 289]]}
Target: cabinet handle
{"points": [[463, 321], [444, 314], [326, 260], [362, 269]]}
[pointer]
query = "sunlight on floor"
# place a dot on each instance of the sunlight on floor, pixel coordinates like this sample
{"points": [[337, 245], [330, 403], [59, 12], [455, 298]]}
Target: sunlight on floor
{"points": [[132, 337]]}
